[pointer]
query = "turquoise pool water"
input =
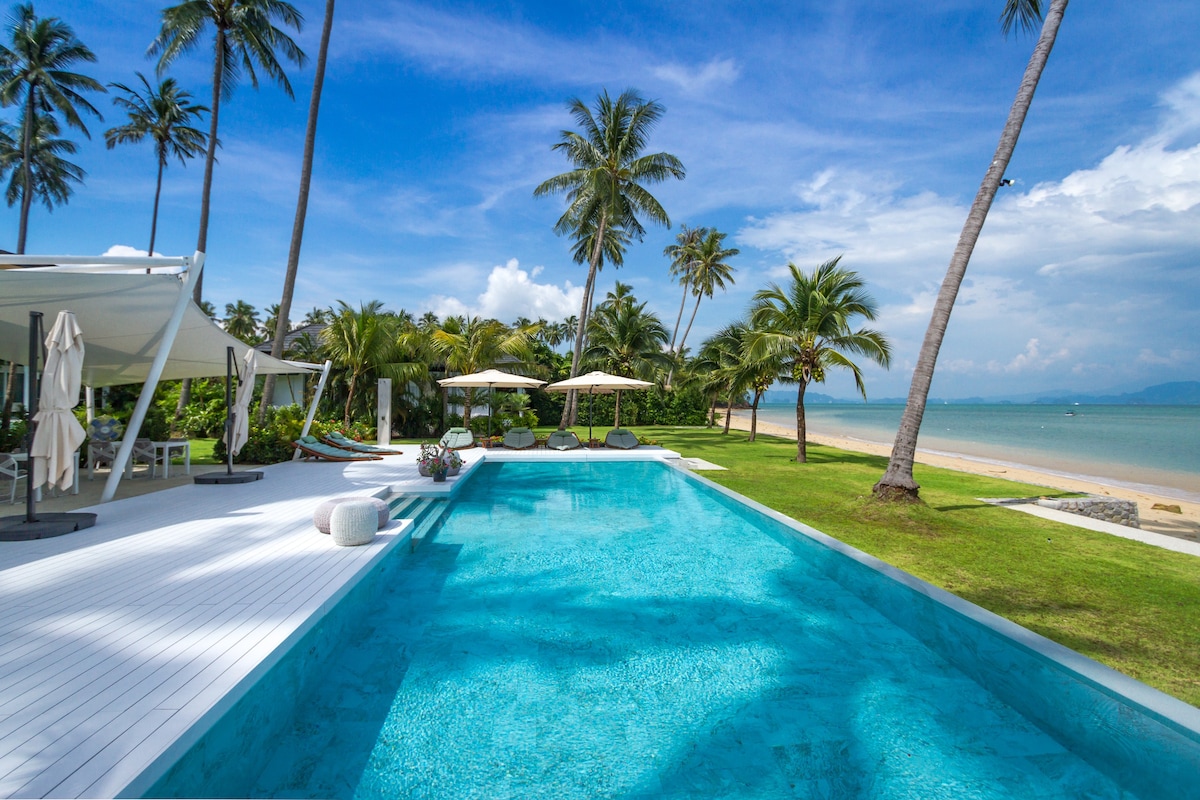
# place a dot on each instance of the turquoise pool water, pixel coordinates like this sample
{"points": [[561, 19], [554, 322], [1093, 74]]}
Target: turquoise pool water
{"points": [[618, 630]]}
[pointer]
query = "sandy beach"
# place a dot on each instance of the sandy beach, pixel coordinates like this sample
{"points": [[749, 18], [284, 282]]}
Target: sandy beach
{"points": [[1185, 525]]}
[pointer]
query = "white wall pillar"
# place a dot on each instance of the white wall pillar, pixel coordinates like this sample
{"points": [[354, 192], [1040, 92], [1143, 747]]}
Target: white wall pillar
{"points": [[383, 420]]}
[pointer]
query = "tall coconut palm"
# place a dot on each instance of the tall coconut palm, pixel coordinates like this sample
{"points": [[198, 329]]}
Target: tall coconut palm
{"points": [[50, 173], [750, 372], [707, 272], [245, 39], [475, 344], [606, 188], [161, 114], [280, 328], [897, 482], [241, 320], [626, 339], [807, 325], [35, 74], [681, 255]]}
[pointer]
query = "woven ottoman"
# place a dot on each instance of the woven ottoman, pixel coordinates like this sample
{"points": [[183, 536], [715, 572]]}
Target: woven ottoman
{"points": [[353, 522], [325, 511]]}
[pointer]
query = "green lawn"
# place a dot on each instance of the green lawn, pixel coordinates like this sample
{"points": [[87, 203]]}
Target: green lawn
{"points": [[1126, 604]]}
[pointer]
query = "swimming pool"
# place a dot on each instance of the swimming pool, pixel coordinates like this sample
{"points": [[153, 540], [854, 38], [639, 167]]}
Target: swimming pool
{"points": [[600, 630]]}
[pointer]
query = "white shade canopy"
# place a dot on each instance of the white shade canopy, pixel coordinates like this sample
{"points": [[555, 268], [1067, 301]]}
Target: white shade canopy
{"points": [[125, 316], [491, 378], [598, 383]]}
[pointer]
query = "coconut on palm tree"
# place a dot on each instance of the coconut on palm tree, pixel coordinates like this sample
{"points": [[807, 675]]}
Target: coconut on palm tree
{"points": [[161, 114], [35, 74], [808, 326], [606, 189], [897, 481]]}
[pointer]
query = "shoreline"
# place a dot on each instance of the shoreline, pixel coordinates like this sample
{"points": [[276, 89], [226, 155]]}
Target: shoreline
{"points": [[1185, 525]]}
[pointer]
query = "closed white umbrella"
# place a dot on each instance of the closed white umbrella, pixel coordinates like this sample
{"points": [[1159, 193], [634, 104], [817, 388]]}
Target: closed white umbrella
{"points": [[490, 379], [240, 430], [597, 383], [58, 433]]}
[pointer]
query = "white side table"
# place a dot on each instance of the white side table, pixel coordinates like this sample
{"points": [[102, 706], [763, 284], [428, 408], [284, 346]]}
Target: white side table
{"points": [[162, 452]]}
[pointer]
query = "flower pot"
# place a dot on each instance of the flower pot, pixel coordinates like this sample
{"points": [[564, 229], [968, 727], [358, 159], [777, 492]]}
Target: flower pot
{"points": [[439, 477], [422, 471], [453, 470]]}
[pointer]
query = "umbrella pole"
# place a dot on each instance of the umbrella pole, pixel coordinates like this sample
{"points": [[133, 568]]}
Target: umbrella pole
{"points": [[35, 320], [591, 407], [228, 410]]}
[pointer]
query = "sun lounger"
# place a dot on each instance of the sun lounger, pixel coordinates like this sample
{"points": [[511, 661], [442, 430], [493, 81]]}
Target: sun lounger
{"points": [[621, 439], [457, 439], [338, 440], [327, 452], [562, 440], [520, 439]]}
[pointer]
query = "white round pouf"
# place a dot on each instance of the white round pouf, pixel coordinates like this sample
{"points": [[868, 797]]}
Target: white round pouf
{"points": [[353, 523], [324, 511]]}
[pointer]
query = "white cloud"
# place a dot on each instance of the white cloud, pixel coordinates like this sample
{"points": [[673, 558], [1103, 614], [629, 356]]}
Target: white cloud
{"points": [[697, 81], [511, 292], [122, 250]]}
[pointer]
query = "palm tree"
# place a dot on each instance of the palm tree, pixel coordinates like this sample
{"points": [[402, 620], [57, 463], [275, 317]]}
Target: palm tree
{"points": [[163, 115], [318, 316], [241, 321], [474, 344], [34, 73], [245, 37], [606, 188], [897, 481], [748, 371], [51, 175], [708, 271], [280, 328], [269, 324], [680, 254], [807, 326], [625, 339], [364, 342]]}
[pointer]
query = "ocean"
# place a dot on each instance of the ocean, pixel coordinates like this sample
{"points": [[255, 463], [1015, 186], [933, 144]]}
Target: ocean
{"points": [[1149, 447]]}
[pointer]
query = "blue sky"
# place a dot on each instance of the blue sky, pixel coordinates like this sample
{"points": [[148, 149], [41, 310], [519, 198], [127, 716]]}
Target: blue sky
{"points": [[808, 130]]}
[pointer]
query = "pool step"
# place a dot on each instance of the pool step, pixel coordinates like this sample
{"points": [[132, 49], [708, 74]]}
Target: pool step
{"points": [[425, 512]]}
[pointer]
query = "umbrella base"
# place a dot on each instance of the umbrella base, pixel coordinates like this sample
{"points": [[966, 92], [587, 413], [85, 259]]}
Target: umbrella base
{"points": [[229, 477], [47, 525]]}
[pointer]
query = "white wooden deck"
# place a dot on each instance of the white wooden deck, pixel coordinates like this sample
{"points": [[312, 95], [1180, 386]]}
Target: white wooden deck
{"points": [[116, 640]]}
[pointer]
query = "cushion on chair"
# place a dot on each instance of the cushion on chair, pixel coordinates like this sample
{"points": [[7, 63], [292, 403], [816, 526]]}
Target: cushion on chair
{"points": [[324, 511], [621, 439], [353, 523]]}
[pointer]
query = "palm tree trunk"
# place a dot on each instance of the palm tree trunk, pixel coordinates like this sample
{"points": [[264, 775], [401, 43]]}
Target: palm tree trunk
{"points": [[617, 411], [569, 408], [27, 171], [154, 215], [688, 330], [467, 407], [728, 411], [679, 316], [210, 158], [754, 415], [801, 427], [712, 411], [897, 481], [349, 400], [289, 278]]}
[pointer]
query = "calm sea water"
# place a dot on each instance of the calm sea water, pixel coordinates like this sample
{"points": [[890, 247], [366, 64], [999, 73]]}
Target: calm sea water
{"points": [[1155, 446]]}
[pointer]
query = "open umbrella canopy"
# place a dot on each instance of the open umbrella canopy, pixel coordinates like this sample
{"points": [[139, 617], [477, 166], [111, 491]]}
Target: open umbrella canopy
{"points": [[491, 378], [599, 383], [240, 432], [58, 433]]}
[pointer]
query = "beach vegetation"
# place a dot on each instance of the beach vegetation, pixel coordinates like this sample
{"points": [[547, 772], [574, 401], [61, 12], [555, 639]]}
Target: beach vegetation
{"points": [[807, 326], [898, 481], [35, 74], [627, 340], [162, 114], [367, 341], [606, 189], [707, 270]]}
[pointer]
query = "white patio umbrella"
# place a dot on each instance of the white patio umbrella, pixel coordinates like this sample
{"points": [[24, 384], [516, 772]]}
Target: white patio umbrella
{"points": [[240, 430], [597, 383], [490, 379], [58, 433]]}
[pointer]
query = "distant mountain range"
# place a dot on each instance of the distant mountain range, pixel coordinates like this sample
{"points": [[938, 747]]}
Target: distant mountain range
{"points": [[1178, 393]]}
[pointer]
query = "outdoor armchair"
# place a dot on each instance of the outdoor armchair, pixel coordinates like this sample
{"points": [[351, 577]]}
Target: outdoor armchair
{"points": [[520, 439], [621, 439], [457, 439], [310, 447], [562, 440], [10, 469]]}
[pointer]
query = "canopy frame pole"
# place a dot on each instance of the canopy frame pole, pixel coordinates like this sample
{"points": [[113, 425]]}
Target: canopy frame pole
{"points": [[156, 368], [312, 408]]}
